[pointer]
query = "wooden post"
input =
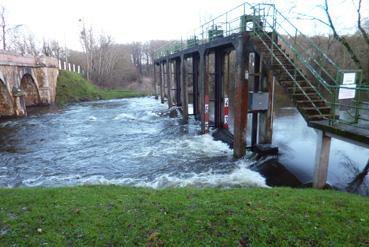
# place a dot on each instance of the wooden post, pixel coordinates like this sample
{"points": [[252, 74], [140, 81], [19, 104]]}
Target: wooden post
{"points": [[169, 94], [321, 160], [240, 98], [161, 73], [184, 95]]}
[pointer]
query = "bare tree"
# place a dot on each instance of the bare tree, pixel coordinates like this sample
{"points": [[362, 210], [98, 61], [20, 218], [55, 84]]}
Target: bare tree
{"points": [[5, 28], [341, 38], [53, 49], [88, 43], [137, 54]]}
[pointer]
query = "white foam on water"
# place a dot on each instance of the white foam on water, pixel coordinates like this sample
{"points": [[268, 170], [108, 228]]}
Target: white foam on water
{"points": [[92, 118], [124, 116], [240, 177], [201, 145]]}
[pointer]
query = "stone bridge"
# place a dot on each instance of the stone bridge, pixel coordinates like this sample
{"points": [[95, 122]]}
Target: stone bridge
{"points": [[26, 81]]}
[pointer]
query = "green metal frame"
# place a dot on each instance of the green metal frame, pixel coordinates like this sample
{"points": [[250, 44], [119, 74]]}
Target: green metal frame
{"points": [[310, 62]]}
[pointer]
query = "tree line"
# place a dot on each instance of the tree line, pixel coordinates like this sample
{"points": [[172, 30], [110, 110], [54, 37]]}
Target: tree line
{"points": [[109, 64], [105, 62]]}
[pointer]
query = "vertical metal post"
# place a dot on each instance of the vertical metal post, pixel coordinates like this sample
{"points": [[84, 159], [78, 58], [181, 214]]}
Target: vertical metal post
{"points": [[256, 74], [206, 92], [219, 72], [195, 84], [240, 98], [169, 96], [155, 82], [178, 81], [184, 95], [202, 73], [161, 73], [269, 115]]}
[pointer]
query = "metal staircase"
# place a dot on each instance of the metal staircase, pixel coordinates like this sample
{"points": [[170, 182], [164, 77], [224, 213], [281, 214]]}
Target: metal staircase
{"points": [[304, 93], [308, 75], [303, 78]]}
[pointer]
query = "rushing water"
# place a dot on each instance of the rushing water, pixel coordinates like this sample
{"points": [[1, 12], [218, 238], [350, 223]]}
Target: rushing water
{"points": [[131, 142], [116, 142]]}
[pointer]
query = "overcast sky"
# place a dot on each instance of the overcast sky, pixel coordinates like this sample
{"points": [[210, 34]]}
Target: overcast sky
{"points": [[142, 20]]}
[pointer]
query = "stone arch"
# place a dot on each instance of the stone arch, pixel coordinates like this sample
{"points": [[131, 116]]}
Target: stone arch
{"points": [[30, 90], [6, 101]]}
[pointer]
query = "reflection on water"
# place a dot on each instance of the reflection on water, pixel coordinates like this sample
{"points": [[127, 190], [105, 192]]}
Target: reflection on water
{"points": [[297, 144]]}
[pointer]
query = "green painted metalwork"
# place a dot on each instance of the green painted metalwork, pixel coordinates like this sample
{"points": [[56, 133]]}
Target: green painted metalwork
{"points": [[280, 35], [215, 32], [192, 42]]}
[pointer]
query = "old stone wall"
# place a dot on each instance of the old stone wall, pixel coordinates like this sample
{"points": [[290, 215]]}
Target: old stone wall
{"points": [[26, 81]]}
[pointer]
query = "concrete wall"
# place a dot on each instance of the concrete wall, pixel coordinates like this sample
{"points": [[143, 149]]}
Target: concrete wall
{"points": [[26, 81]]}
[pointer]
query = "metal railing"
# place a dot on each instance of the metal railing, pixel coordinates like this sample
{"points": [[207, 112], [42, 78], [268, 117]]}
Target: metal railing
{"points": [[312, 64], [280, 35], [223, 25]]}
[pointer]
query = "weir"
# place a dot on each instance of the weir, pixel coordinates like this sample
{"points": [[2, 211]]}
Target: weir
{"points": [[236, 60]]}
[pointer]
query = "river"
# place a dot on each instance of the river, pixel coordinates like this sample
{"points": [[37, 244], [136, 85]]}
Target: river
{"points": [[133, 142]]}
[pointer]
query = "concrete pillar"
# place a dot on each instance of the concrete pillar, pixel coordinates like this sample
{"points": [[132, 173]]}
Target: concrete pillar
{"points": [[69, 67], [184, 94], [65, 65], [60, 64], [74, 68], [169, 93], [79, 69], [155, 87], [321, 160], [161, 75], [240, 98]]}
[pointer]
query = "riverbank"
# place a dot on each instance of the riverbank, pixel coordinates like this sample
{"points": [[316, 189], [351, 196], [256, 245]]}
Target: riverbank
{"points": [[124, 216], [72, 87]]}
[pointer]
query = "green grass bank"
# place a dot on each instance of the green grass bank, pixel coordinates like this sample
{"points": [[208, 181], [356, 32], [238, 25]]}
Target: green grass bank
{"points": [[72, 87], [121, 216]]}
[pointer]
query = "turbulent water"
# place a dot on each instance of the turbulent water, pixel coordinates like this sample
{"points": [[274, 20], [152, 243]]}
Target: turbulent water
{"points": [[127, 142], [133, 142]]}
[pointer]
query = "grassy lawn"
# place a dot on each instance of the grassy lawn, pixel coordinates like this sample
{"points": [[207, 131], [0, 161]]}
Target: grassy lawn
{"points": [[121, 216], [72, 87]]}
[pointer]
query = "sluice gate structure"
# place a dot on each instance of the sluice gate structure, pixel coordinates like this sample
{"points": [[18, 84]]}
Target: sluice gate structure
{"points": [[227, 71]]}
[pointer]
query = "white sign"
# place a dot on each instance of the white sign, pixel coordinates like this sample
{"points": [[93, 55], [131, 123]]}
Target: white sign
{"points": [[206, 108], [349, 91], [226, 102]]}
